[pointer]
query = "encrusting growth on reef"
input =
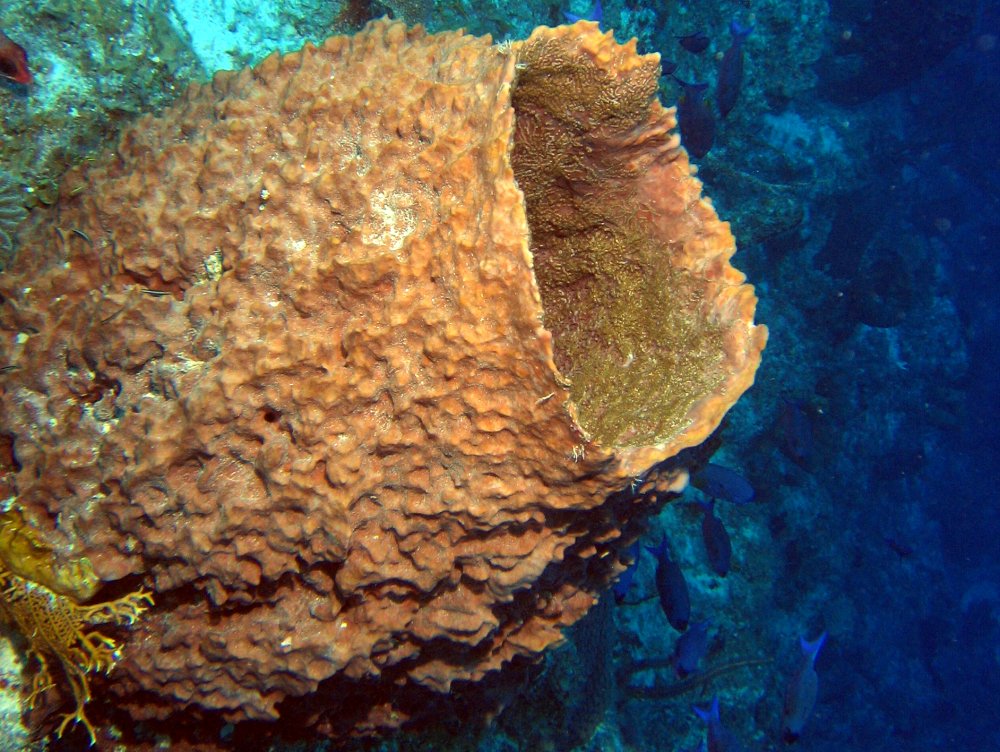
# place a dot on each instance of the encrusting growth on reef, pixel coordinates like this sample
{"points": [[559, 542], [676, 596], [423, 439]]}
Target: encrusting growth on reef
{"points": [[52, 622]]}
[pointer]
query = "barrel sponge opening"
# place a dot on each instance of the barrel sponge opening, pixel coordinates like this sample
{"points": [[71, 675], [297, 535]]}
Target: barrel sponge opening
{"points": [[630, 260]]}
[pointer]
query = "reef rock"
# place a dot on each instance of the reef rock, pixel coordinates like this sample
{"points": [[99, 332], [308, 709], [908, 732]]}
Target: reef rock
{"points": [[361, 361]]}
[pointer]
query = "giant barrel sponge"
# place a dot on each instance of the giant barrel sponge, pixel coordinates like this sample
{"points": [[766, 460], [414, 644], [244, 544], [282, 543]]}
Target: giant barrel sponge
{"points": [[360, 362]]}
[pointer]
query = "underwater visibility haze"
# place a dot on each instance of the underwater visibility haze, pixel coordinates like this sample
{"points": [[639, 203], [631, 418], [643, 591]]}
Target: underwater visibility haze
{"points": [[579, 377]]}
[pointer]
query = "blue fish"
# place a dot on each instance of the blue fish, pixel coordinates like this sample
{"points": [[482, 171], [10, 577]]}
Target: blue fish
{"points": [[800, 696], [720, 739], [731, 69], [696, 120], [717, 542], [671, 587], [720, 482], [596, 13], [691, 648], [696, 43], [624, 582]]}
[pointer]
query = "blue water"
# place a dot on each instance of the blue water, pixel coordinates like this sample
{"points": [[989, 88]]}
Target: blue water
{"points": [[860, 168], [883, 310]]}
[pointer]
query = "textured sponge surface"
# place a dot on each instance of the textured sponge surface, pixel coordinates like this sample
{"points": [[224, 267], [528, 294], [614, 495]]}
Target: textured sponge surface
{"points": [[283, 357]]}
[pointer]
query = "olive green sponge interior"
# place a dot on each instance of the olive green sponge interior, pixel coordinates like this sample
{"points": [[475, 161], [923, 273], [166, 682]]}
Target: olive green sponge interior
{"points": [[628, 326]]}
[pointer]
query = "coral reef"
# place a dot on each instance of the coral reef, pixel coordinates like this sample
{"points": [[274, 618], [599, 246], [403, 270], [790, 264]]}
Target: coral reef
{"points": [[367, 357], [14, 735], [97, 65]]}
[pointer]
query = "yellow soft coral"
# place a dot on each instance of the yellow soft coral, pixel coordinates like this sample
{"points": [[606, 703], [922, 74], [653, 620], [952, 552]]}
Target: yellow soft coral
{"points": [[54, 623], [24, 554]]}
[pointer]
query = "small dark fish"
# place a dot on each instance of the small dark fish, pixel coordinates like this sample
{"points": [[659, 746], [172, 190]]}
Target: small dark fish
{"points": [[671, 587], [691, 648], [731, 69], [800, 697], [13, 61], [717, 543], [696, 43], [696, 120], [81, 234], [668, 67], [900, 549], [720, 739], [624, 583], [720, 482], [596, 13], [795, 434]]}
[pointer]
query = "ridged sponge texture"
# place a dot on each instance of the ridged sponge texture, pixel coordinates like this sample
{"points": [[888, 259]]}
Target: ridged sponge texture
{"points": [[325, 356]]}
